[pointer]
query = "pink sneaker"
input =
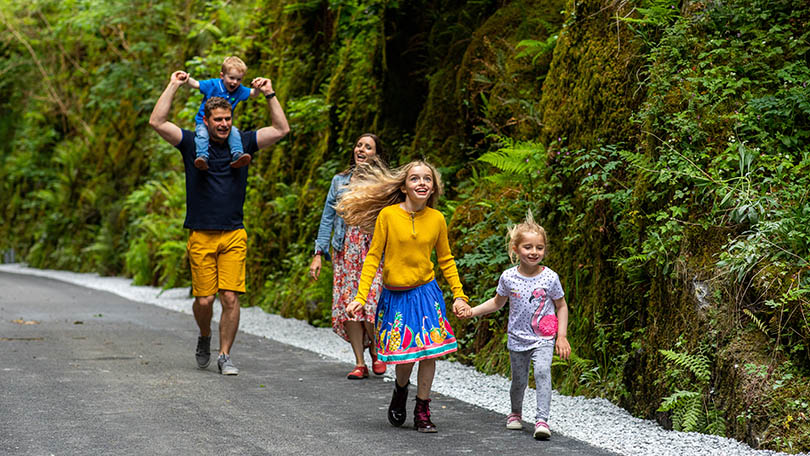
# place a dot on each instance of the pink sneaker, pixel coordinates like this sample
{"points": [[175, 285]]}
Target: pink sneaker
{"points": [[513, 422], [541, 430]]}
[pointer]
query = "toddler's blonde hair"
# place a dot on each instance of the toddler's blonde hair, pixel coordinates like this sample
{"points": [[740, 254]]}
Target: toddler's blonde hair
{"points": [[234, 63], [516, 232]]}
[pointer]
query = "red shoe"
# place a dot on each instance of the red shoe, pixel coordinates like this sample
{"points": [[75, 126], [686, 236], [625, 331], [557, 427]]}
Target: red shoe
{"points": [[359, 373], [377, 366]]}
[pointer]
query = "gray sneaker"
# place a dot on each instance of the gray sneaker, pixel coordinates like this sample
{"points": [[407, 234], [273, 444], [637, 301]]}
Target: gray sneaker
{"points": [[203, 351], [226, 367]]}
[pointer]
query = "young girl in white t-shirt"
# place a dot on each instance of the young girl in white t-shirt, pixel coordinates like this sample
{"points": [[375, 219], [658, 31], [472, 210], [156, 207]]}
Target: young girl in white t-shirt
{"points": [[538, 320]]}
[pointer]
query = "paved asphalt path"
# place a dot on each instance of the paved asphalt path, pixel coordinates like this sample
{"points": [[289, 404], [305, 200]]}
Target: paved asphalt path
{"points": [[100, 375]]}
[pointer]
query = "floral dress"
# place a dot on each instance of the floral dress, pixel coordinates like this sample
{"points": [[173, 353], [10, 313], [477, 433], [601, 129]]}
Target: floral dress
{"points": [[347, 265]]}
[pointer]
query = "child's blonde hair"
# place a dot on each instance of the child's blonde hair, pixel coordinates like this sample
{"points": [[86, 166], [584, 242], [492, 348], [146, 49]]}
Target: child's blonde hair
{"points": [[515, 234], [234, 63], [375, 188]]}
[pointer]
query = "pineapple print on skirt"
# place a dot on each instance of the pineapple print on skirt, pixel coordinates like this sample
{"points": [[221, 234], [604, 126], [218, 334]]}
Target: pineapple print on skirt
{"points": [[412, 325]]}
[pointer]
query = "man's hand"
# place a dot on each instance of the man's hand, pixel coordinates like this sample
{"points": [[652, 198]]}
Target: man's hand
{"points": [[279, 127], [179, 78], [264, 85], [159, 120]]}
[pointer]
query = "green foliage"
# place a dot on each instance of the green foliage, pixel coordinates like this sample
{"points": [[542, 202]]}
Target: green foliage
{"points": [[651, 17], [687, 408], [727, 116], [157, 247], [757, 321], [691, 409], [698, 365], [308, 114], [536, 49], [519, 162], [655, 12], [72, 159]]}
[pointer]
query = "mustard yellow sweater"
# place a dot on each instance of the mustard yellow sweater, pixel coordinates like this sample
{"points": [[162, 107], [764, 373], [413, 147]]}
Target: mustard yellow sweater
{"points": [[407, 240]]}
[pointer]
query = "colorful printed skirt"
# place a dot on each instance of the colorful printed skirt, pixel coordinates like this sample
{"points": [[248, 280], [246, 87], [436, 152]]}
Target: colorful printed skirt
{"points": [[347, 265], [412, 325]]}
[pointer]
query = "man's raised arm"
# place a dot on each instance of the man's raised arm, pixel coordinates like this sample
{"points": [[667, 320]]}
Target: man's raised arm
{"points": [[279, 127], [159, 120]]}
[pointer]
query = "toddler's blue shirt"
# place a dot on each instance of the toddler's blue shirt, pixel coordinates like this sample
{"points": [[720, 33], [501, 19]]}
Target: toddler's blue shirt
{"points": [[216, 88]]}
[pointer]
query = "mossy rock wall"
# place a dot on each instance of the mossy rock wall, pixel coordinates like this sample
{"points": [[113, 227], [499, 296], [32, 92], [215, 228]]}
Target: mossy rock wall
{"points": [[484, 87], [590, 92]]}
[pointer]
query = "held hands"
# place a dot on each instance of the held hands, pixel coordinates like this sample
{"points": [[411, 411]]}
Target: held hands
{"points": [[461, 308], [179, 78], [264, 85], [315, 267], [562, 347], [353, 307]]}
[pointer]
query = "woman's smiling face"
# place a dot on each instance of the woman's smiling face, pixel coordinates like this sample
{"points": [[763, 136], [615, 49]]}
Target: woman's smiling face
{"points": [[364, 149]]}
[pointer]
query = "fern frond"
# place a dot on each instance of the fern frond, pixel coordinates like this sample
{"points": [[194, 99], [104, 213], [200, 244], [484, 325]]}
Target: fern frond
{"points": [[762, 327], [633, 260], [510, 161], [581, 363], [715, 423], [686, 408], [573, 361], [692, 413], [676, 400], [501, 180], [591, 376], [697, 364]]}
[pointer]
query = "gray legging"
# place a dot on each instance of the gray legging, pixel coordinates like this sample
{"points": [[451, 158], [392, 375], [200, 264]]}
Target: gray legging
{"points": [[541, 356]]}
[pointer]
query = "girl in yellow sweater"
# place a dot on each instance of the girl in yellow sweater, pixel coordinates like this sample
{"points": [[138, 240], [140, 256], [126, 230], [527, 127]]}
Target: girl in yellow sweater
{"points": [[411, 321]]}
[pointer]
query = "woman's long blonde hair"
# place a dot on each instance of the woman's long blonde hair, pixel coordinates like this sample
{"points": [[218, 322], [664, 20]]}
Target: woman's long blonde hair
{"points": [[373, 188], [515, 235]]}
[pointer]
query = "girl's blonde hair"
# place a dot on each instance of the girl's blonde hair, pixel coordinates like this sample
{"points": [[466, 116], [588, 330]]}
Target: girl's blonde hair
{"points": [[374, 188], [515, 234]]}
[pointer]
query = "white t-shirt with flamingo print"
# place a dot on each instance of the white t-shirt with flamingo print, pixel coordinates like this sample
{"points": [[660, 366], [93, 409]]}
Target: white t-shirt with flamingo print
{"points": [[532, 314]]}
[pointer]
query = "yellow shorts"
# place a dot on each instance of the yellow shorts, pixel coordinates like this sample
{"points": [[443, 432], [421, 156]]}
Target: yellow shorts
{"points": [[217, 261]]}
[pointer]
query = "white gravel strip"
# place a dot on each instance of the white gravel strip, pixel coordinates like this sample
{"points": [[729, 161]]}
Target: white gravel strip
{"points": [[595, 421]]}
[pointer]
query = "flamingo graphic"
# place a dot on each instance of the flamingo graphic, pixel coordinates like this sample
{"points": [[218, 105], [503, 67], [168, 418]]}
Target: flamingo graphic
{"points": [[542, 325]]}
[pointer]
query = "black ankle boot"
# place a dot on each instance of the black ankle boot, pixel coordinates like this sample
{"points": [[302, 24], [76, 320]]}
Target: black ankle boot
{"points": [[421, 416], [396, 411]]}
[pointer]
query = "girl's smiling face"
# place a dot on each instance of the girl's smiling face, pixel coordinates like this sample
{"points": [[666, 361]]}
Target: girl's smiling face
{"points": [[531, 249], [364, 149], [418, 185]]}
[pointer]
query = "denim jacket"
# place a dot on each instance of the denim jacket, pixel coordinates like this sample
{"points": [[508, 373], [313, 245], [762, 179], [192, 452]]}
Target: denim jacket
{"points": [[330, 219]]}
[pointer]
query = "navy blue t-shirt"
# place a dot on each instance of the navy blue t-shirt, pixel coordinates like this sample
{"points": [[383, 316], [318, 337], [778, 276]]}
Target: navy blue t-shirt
{"points": [[214, 198]]}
